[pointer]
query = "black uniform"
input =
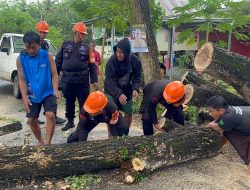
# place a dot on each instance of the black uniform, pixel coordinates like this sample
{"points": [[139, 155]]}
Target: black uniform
{"points": [[73, 60], [122, 77], [44, 45], [87, 123], [152, 95], [236, 125]]}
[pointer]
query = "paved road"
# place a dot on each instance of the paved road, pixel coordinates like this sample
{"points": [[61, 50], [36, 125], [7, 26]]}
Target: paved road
{"points": [[224, 172]]}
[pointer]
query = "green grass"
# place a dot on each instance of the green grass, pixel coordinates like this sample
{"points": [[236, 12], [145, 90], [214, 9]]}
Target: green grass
{"points": [[8, 119], [83, 182]]}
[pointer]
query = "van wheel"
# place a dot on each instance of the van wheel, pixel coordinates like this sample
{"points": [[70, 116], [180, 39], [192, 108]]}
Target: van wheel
{"points": [[16, 90]]}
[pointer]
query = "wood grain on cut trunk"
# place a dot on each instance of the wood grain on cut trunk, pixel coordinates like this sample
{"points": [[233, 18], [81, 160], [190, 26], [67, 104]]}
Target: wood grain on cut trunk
{"points": [[227, 66]]}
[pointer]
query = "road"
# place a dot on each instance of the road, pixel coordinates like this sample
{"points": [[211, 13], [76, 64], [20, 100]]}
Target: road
{"points": [[223, 172]]}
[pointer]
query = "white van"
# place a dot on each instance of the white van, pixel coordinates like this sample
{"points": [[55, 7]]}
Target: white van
{"points": [[10, 47]]}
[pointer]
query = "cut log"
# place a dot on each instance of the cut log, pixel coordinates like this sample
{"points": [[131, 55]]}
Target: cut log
{"points": [[230, 67], [10, 128], [180, 145], [204, 89]]}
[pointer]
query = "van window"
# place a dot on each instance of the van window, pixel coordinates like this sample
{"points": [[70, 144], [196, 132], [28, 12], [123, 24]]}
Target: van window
{"points": [[5, 45], [18, 44]]}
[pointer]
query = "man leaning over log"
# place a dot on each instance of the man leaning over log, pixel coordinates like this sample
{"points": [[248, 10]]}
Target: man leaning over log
{"points": [[98, 109], [170, 94], [234, 123]]}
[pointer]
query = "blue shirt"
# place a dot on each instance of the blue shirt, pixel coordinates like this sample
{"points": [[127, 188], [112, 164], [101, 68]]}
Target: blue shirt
{"points": [[37, 75]]}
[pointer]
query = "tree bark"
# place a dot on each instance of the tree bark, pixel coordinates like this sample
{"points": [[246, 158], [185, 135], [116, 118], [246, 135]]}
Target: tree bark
{"points": [[150, 63], [230, 67], [10, 128], [180, 145], [204, 89]]}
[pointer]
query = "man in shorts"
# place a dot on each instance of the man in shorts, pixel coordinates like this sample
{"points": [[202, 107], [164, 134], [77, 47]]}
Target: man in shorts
{"points": [[38, 83]]}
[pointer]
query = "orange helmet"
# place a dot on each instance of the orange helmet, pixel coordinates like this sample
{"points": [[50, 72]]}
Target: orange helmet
{"points": [[174, 91], [80, 27], [42, 26], [95, 102]]}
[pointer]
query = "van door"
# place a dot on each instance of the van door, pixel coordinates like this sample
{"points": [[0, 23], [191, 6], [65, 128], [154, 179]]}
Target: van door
{"points": [[5, 48]]}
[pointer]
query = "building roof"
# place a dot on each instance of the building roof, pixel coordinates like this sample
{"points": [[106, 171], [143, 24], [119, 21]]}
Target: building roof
{"points": [[168, 5]]}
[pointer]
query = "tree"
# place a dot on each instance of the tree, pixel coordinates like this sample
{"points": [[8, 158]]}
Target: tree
{"points": [[219, 15], [14, 20], [149, 60]]}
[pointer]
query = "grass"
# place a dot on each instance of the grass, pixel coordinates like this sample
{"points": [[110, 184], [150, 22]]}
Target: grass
{"points": [[8, 119], [86, 181]]}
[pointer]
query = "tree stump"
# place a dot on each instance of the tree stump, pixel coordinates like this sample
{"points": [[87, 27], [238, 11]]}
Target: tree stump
{"points": [[230, 67]]}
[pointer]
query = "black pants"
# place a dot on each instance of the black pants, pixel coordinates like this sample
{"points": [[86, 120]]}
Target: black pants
{"points": [[81, 133], [241, 143], [72, 91], [176, 115]]}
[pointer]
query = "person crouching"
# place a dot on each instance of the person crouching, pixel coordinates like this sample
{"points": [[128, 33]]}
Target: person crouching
{"points": [[98, 109]]}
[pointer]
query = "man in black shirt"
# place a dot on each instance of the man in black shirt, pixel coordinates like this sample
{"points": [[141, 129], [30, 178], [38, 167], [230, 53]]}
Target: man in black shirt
{"points": [[169, 94], [98, 109], [42, 28], [78, 70], [234, 123]]}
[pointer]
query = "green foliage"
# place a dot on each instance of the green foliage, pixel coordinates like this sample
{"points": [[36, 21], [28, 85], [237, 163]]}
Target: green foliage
{"points": [[13, 20], [8, 119], [219, 15], [83, 182], [185, 60], [55, 36], [222, 44], [157, 14], [137, 104], [191, 114], [229, 88], [139, 177], [123, 154]]}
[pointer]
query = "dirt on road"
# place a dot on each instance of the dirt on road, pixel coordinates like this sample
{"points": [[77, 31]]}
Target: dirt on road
{"points": [[223, 172]]}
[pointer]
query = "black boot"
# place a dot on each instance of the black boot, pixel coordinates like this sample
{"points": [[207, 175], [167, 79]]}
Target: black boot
{"points": [[60, 120], [68, 125]]}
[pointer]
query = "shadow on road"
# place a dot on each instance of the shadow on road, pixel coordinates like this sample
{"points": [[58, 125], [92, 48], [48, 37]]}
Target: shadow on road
{"points": [[6, 88]]}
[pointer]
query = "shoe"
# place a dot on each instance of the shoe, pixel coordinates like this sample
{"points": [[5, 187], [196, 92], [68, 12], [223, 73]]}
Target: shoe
{"points": [[68, 126], [40, 122], [60, 120]]}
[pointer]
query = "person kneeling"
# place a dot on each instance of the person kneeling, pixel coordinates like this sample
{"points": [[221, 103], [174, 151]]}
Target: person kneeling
{"points": [[98, 109]]}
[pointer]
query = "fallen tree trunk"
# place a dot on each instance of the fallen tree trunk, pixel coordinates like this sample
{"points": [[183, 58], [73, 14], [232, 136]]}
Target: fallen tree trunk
{"points": [[180, 145], [204, 89], [230, 67], [10, 128]]}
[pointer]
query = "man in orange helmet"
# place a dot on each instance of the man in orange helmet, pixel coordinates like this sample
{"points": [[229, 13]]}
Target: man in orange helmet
{"points": [[42, 28], [74, 61], [98, 109], [169, 94]]}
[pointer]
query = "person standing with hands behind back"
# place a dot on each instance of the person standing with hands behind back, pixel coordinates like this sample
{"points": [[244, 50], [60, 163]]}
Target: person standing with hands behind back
{"points": [[38, 83]]}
